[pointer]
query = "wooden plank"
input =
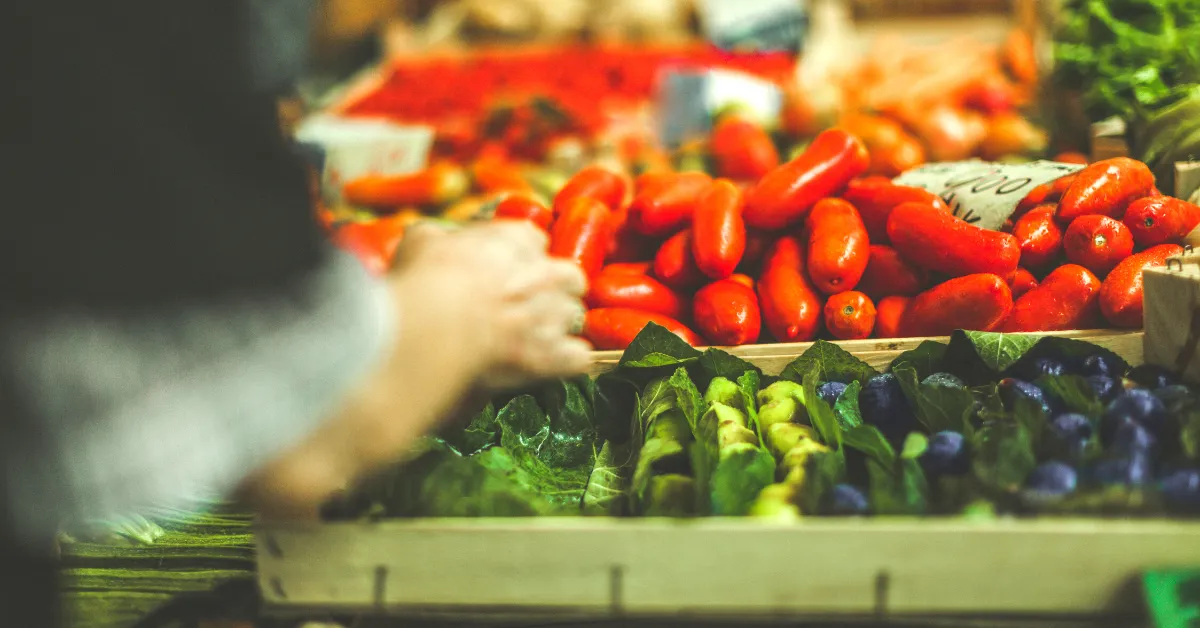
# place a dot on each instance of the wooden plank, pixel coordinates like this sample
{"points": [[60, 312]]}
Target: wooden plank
{"points": [[1172, 316], [1187, 179], [772, 358], [599, 567]]}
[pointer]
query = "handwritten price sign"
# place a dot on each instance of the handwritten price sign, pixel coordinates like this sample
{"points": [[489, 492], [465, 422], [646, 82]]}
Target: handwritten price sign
{"points": [[982, 193]]}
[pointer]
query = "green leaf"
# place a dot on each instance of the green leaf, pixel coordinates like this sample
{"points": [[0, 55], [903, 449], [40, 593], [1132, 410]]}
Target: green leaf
{"points": [[749, 383], [482, 432], [928, 358], [717, 363], [741, 474], [656, 347], [523, 424], [822, 472], [573, 435], [937, 407], [869, 440], [979, 357], [1002, 455], [1030, 415], [820, 413], [615, 407], [440, 483], [846, 409], [1190, 435], [901, 491], [1065, 350], [1075, 393], [665, 453], [669, 495], [607, 492], [914, 446], [688, 396], [830, 363]]}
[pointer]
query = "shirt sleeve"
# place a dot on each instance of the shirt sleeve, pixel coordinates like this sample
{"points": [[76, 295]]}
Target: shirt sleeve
{"points": [[156, 405]]}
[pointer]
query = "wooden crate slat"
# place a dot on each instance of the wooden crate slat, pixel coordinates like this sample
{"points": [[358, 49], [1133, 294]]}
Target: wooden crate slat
{"points": [[649, 567], [772, 358]]}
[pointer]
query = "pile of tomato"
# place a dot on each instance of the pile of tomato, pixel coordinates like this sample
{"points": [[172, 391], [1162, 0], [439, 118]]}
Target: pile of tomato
{"points": [[813, 248]]}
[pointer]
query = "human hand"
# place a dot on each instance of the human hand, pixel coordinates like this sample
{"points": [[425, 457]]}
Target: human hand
{"points": [[490, 291]]}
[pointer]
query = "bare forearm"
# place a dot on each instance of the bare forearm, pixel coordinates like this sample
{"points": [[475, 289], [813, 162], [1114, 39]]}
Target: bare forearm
{"points": [[422, 382]]}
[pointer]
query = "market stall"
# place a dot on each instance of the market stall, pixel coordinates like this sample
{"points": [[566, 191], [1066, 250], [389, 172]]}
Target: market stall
{"points": [[890, 324]]}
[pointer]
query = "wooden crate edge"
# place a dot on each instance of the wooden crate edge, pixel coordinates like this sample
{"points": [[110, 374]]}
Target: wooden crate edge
{"points": [[1124, 342], [746, 568]]}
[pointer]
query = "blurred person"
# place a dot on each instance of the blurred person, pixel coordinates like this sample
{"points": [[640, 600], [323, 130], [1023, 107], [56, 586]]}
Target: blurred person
{"points": [[172, 319]]}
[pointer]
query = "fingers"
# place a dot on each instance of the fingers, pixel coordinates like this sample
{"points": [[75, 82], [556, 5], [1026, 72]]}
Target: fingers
{"points": [[522, 235], [552, 276]]}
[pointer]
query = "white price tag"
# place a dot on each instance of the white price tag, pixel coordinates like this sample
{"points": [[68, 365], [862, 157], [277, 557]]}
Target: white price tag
{"points": [[764, 25], [688, 99], [357, 147], [985, 194]]}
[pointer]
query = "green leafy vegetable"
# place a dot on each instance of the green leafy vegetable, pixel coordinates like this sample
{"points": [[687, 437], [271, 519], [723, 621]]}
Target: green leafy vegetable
{"points": [[1127, 56], [936, 406], [928, 358], [1002, 455], [482, 432], [717, 363], [656, 347], [667, 414], [608, 485], [1075, 393], [815, 480], [1065, 350], [820, 413], [869, 440], [571, 423], [846, 409], [830, 363], [740, 466], [979, 357]]}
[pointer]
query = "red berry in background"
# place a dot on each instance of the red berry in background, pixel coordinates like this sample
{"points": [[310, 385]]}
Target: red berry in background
{"points": [[742, 150]]}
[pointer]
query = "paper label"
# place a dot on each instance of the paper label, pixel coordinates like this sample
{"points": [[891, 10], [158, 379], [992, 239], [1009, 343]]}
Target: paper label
{"points": [[985, 194], [763, 25], [688, 99], [357, 147]]}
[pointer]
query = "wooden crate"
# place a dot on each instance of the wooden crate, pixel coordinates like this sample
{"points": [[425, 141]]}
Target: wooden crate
{"points": [[743, 568]]}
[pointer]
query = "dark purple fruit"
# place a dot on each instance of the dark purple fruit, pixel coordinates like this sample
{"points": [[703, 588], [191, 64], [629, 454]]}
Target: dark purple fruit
{"points": [[1132, 438], [1139, 405], [1135, 470], [1106, 388], [849, 501], [831, 392], [1049, 482], [1099, 365], [884, 405], [1181, 491], [1070, 434], [1152, 377], [1013, 389], [946, 454]]}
